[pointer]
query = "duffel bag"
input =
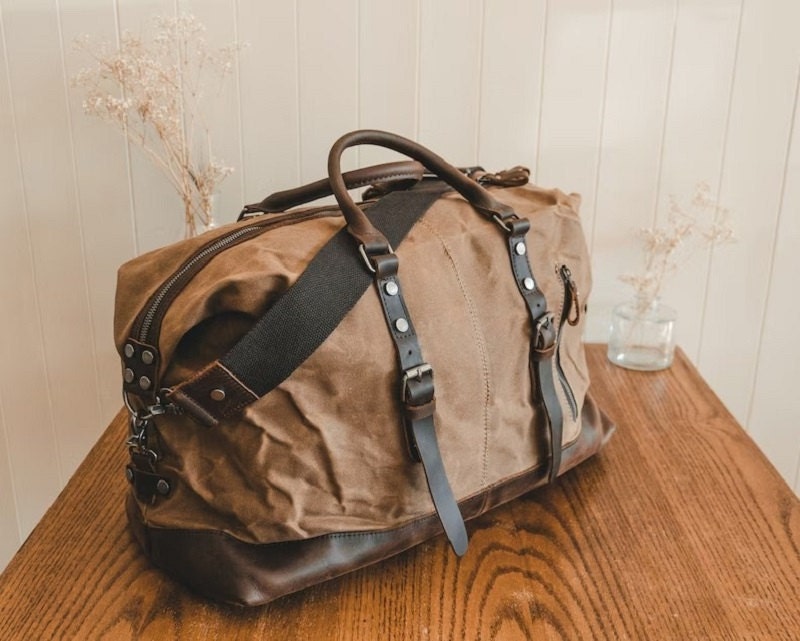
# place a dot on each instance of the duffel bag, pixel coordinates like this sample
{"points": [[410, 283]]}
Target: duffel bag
{"points": [[314, 390]]}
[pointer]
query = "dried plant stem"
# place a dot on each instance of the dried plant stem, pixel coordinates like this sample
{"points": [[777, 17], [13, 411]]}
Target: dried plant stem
{"points": [[162, 86], [664, 247]]}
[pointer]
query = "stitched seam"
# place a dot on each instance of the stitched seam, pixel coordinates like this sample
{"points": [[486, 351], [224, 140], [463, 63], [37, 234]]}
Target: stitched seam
{"points": [[481, 342]]}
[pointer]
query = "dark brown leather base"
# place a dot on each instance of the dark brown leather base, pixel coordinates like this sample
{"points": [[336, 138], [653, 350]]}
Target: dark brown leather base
{"points": [[226, 569]]}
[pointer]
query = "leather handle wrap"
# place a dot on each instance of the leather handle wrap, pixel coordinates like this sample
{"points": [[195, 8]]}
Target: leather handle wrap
{"points": [[401, 174], [358, 224]]}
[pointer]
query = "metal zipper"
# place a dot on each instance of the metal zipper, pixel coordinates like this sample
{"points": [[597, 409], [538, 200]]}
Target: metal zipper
{"points": [[571, 301], [155, 310]]}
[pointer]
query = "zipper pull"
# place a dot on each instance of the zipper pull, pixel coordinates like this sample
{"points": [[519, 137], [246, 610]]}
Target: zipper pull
{"points": [[514, 177], [574, 298]]}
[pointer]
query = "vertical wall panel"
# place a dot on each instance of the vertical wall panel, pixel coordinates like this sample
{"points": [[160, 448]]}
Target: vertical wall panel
{"points": [[387, 71], [636, 100], [103, 193], [45, 153], [9, 527], [511, 82], [763, 100], [221, 102], [695, 127], [158, 210], [20, 341], [268, 82], [328, 76], [774, 420], [573, 97], [449, 77]]}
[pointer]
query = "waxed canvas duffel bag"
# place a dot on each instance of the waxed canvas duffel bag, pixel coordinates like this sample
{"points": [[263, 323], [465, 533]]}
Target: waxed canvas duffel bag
{"points": [[314, 390]]}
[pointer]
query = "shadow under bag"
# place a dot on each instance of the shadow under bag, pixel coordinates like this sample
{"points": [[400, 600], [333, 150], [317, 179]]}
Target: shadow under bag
{"points": [[315, 390]]}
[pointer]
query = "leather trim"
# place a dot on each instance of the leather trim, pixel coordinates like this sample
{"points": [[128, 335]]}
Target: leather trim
{"points": [[418, 399], [226, 569], [543, 337], [213, 395]]}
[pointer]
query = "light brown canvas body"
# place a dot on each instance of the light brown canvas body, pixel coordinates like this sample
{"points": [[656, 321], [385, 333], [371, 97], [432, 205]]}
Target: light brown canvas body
{"points": [[325, 452]]}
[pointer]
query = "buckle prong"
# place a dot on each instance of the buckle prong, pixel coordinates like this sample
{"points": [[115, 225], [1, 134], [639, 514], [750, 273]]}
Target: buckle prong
{"points": [[415, 373], [362, 250]]}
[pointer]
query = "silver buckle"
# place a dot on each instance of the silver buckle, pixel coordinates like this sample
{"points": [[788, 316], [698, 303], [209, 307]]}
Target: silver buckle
{"points": [[415, 373], [367, 262]]}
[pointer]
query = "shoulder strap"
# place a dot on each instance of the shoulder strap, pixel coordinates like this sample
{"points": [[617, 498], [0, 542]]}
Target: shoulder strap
{"points": [[301, 319]]}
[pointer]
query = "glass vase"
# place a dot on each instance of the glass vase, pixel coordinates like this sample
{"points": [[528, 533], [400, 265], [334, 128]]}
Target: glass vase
{"points": [[642, 335]]}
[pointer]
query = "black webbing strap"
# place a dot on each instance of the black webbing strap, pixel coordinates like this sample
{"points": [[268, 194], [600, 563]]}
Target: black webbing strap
{"points": [[334, 281], [302, 318], [543, 337]]}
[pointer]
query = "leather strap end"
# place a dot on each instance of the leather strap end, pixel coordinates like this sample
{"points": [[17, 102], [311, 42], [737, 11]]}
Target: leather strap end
{"points": [[212, 395]]}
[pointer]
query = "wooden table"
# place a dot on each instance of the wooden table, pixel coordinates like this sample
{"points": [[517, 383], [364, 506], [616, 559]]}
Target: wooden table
{"points": [[680, 529]]}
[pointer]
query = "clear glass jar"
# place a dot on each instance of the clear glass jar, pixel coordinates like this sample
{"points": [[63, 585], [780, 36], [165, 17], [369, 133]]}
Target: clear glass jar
{"points": [[642, 335]]}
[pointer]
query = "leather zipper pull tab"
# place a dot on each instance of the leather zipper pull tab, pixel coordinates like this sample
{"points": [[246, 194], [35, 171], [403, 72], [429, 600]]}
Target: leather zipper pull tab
{"points": [[574, 297], [514, 177]]}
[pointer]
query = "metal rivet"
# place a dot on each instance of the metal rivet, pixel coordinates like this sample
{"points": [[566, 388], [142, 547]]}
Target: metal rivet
{"points": [[128, 375], [145, 382], [147, 357], [401, 324], [391, 288], [129, 350], [162, 487], [520, 248], [217, 394], [528, 283], [129, 474]]}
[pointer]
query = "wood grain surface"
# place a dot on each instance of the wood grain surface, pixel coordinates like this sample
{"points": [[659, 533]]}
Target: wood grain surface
{"points": [[680, 529]]}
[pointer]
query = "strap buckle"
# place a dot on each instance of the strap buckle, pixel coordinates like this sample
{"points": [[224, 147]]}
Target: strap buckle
{"points": [[363, 251], [544, 335], [512, 224], [416, 409], [502, 221], [414, 373]]}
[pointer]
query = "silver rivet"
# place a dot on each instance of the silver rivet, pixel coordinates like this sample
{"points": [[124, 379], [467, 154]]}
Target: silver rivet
{"points": [[217, 394], [401, 324], [162, 487], [145, 382], [128, 375], [391, 288], [528, 283], [129, 474], [520, 249], [129, 350], [147, 357]]}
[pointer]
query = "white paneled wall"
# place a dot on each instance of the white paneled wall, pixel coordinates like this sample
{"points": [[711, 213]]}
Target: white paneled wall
{"points": [[624, 101]]}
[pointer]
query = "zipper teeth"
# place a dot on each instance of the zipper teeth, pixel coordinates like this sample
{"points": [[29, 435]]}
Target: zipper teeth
{"points": [[573, 404], [220, 244]]}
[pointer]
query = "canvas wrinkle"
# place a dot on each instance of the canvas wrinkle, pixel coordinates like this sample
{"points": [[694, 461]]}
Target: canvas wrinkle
{"points": [[325, 451]]}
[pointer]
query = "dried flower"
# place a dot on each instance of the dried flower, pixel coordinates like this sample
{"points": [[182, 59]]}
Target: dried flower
{"points": [[704, 220], [152, 89]]}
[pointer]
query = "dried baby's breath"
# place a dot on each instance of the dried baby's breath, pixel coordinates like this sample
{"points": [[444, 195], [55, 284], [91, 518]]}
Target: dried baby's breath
{"points": [[152, 88], [703, 223]]}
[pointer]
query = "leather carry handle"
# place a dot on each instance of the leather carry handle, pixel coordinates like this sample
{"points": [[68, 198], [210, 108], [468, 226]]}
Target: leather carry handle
{"points": [[401, 175], [372, 241]]}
